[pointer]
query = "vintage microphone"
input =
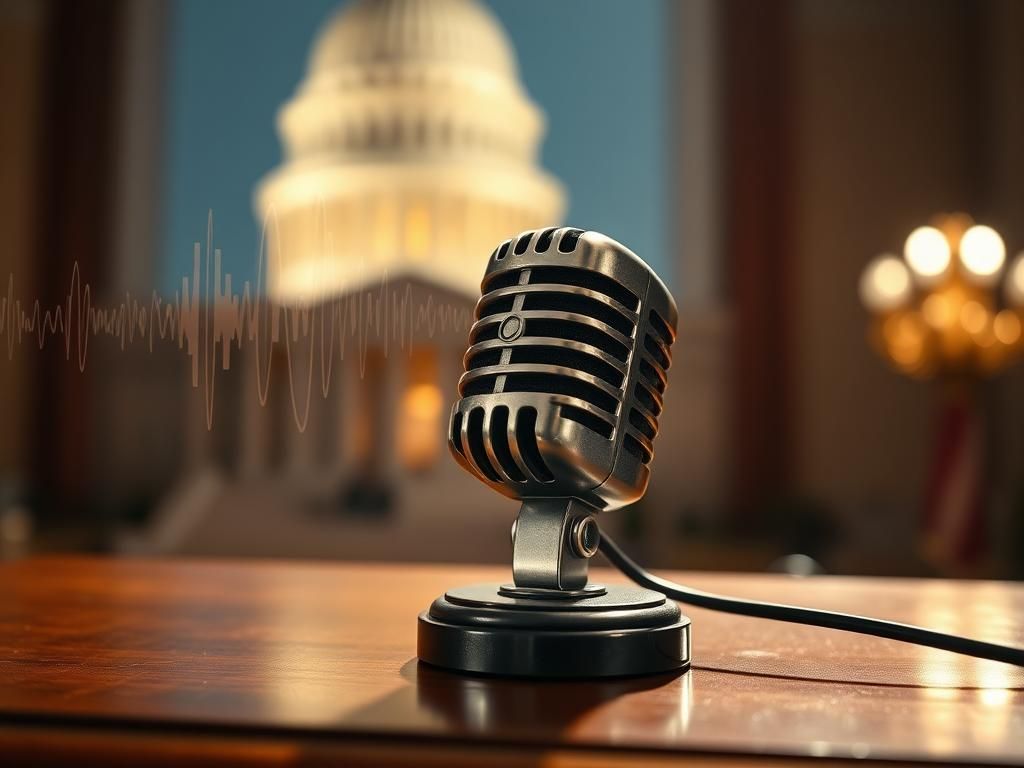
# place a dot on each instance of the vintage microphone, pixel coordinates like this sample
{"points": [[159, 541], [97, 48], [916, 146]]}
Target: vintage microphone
{"points": [[559, 407]]}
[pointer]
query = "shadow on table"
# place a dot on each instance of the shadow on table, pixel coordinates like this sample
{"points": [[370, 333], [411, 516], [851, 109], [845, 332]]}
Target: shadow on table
{"points": [[524, 711]]}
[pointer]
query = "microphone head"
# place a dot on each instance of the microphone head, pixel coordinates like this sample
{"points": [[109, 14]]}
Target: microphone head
{"points": [[565, 371]]}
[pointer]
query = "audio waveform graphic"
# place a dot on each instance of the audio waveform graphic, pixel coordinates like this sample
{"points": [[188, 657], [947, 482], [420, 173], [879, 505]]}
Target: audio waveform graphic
{"points": [[208, 318]]}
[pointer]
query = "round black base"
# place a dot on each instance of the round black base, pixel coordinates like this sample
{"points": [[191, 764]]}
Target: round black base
{"points": [[623, 631]]}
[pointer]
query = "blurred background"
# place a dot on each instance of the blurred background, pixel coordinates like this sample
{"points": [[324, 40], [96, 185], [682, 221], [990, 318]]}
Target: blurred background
{"points": [[242, 241]]}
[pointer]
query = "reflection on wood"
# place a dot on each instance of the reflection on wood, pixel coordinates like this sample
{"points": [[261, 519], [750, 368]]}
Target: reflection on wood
{"points": [[286, 659]]}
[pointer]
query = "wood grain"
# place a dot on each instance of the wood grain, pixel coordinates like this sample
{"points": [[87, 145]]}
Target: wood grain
{"points": [[288, 663]]}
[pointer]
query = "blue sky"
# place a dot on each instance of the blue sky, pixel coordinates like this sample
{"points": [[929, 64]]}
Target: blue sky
{"points": [[597, 68]]}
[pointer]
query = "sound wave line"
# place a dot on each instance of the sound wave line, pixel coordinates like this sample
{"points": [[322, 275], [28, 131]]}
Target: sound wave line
{"points": [[208, 313]]}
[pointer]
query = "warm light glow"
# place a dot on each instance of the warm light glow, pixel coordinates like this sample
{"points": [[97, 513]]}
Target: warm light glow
{"points": [[385, 225], [1007, 327], [419, 435], [995, 697], [885, 284], [417, 232], [934, 317], [1015, 281], [420, 418], [908, 355], [927, 253], [982, 253], [939, 311], [422, 402], [974, 317], [310, 280], [905, 336]]}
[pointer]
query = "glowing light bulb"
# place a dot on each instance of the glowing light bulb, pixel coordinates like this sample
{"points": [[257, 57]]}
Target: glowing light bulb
{"points": [[982, 254], [885, 284], [1015, 281], [904, 336], [421, 407], [927, 253]]}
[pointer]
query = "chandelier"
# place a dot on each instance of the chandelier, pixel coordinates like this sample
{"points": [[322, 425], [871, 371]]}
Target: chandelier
{"points": [[950, 305]]}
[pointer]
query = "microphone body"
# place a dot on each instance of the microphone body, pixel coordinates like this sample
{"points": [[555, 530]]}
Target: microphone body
{"points": [[559, 407], [562, 390], [566, 370]]}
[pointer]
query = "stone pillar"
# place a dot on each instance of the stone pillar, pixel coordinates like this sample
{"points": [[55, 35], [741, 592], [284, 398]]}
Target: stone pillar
{"points": [[199, 448], [301, 399], [354, 411], [255, 428], [389, 411]]}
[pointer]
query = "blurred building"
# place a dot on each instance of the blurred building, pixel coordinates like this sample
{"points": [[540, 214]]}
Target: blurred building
{"points": [[411, 152], [771, 148]]}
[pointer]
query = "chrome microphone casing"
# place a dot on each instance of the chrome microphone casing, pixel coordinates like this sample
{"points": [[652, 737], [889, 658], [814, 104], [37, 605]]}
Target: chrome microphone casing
{"points": [[566, 370], [559, 406]]}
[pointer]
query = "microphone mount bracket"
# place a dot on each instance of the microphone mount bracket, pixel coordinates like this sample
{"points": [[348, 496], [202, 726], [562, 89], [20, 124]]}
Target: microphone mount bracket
{"points": [[553, 540]]}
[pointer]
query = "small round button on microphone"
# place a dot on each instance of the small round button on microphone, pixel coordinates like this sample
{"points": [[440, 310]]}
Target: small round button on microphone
{"points": [[511, 328]]}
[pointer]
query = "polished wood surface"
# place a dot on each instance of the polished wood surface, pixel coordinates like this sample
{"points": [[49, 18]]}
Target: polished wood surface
{"points": [[286, 663]]}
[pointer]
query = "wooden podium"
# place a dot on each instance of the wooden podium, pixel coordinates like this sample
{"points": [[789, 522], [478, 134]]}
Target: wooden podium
{"points": [[135, 662]]}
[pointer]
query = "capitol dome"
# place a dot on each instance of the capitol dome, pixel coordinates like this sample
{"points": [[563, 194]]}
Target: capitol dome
{"points": [[410, 150], [432, 31]]}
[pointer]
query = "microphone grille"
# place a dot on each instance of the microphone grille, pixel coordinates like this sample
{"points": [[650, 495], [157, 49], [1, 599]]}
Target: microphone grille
{"points": [[565, 370], [653, 364], [579, 325]]}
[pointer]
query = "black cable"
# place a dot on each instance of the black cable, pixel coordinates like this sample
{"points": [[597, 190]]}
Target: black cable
{"points": [[864, 625]]}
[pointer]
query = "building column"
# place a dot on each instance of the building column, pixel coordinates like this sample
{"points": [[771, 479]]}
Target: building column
{"points": [[302, 398], [255, 419], [389, 408], [199, 446]]}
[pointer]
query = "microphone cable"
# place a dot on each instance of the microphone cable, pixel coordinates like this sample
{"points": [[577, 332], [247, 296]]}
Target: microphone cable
{"points": [[890, 630]]}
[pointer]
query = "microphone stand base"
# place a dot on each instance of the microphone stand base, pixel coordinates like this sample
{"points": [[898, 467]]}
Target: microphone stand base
{"points": [[621, 631]]}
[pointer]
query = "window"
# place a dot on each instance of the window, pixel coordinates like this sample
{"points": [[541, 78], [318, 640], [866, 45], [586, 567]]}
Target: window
{"points": [[420, 432]]}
